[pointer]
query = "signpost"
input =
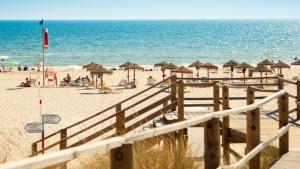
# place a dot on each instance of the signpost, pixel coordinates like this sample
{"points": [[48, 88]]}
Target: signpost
{"points": [[50, 118], [34, 127]]}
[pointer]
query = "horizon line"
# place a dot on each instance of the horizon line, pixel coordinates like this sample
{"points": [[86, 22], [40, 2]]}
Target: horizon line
{"points": [[145, 19]]}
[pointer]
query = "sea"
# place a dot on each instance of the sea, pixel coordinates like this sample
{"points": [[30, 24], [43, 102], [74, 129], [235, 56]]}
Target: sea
{"points": [[145, 42]]}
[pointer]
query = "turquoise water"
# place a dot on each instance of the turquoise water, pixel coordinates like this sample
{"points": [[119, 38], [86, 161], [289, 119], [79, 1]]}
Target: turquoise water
{"points": [[147, 42]]}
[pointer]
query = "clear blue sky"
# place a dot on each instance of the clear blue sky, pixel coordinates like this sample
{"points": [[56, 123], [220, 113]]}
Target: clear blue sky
{"points": [[148, 9]]}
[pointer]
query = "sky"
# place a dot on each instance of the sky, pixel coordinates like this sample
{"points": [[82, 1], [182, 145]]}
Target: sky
{"points": [[148, 9]]}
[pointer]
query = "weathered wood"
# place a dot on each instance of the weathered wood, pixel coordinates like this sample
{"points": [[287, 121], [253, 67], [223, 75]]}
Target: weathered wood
{"points": [[253, 130], [180, 112], [283, 107], [236, 136], [225, 126], [230, 98], [122, 157], [63, 145], [151, 116], [212, 144], [200, 85], [120, 120], [173, 90], [34, 149], [212, 135], [298, 99], [63, 141], [149, 107], [280, 82], [226, 78]]}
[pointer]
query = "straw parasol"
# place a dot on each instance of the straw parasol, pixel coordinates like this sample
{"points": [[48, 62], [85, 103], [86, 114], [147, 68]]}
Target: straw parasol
{"points": [[197, 64], [169, 66], [90, 65], [280, 65], [261, 69], [209, 66], [161, 64], [182, 70], [296, 62], [126, 64], [100, 71], [244, 66], [266, 62], [133, 67], [231, 64]]}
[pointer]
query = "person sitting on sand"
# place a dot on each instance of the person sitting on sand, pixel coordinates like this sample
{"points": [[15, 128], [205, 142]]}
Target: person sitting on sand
{"points": [[67, 79], [26, 83], [86, 78], [25, 68]]}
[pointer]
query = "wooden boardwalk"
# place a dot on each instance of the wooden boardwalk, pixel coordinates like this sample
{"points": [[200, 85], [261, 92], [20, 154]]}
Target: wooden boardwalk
{"points": [[290, 160]]}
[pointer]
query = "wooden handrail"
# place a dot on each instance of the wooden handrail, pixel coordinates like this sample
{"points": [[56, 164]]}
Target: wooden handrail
{"points": [[263, 90], [105, 110], [105, 145], [287, 81], [257, 149], [230, 98], [230, 78]]}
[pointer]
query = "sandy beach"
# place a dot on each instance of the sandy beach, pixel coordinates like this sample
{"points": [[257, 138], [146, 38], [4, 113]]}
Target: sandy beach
{"points": [[21, 106]]}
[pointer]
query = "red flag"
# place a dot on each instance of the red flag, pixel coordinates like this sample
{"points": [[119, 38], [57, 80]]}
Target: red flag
{"points": [[45, 36]]}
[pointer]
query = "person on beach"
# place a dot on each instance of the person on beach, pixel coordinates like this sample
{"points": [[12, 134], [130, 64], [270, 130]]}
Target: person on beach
{"points": [[26, 83], [67, 79], [25, 68]]}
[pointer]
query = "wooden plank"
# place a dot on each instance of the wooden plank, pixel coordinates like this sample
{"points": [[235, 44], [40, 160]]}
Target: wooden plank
{"points": [[225, 126], [212, 135], [147, 108], [120, 120], [180, 112], [151, 117], [200, 85], [283, 107], [298, 99], [236, 136], [173, 90], [253, 130], [122, 157]]}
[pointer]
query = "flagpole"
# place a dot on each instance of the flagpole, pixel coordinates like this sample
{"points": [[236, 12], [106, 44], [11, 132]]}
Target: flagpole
{"points": [[43, 56]]}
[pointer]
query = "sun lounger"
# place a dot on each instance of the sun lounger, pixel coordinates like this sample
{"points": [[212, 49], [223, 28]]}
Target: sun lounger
{"points": [[131, 84], [33, 82], [123, 82]]}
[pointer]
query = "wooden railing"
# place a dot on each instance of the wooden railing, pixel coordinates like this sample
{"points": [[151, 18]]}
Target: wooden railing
{"points": [[123, 145], [228, 135], [63, 135]]}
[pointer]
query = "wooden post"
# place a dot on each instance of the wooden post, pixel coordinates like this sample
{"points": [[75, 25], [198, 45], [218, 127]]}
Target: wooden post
{"points": [[212, 136], [63, 141], [253, 130], [298, 99], [63, 145], [120, 121], [280, 83], [180, 112], [283, 108], [225, 127], [173, 90], [122, 157], [34, 149]]}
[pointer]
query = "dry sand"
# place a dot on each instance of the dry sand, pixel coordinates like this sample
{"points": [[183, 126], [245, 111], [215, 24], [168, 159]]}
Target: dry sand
{"points": [[21, 106]]}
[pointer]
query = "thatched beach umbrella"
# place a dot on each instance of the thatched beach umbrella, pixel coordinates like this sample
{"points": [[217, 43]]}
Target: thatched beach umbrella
{"points": [[90, 65], [280, 65], [100, 72], [169, 66], [182, 70], [244, 66], [231, 64], [261, 69], [265, 62], [126, 64], [209, 66], [197, 64], [161, 64], [296, 62], [133, 67]]}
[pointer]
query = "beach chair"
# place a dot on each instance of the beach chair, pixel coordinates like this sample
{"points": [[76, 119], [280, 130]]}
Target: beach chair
{"points": [[51, 78], [107, 89], [131, 84], [123, 82]]}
